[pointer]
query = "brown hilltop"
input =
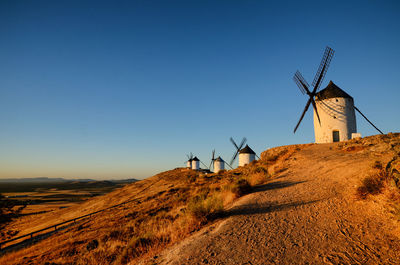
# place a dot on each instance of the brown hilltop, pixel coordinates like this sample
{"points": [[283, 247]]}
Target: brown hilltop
{"points": [[321, 204]]}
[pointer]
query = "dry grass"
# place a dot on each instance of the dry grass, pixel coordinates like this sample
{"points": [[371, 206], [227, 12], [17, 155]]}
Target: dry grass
{"points": [[259, 175], [167, 208], [205, 208]]}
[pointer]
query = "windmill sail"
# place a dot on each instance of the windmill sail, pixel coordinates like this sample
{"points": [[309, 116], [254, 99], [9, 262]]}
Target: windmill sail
{"points": [[319, 77], [237, 148], [323, 67]]}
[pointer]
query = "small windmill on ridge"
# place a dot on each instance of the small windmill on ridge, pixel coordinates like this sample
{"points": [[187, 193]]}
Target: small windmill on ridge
{"points": [[194, 163], [189, 161], [217, 164], [334, 110]]}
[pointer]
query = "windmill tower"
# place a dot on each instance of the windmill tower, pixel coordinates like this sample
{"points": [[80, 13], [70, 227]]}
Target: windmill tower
{"points": [[195, 163], [334, 110], [246, 155], [338, 118], [189, 162], [219, 164]]}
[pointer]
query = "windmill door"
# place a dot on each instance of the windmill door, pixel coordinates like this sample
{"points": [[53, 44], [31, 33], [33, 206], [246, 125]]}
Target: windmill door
{"points": [[336, 136]]}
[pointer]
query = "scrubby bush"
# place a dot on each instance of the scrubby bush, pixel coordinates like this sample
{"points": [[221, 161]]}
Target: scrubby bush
{"points": [[372, 184], [204, 208], [377, 165], [239, 187], [259, 175]]}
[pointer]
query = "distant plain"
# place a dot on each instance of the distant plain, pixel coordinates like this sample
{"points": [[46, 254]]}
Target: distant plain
{"points": [[37, 197]]}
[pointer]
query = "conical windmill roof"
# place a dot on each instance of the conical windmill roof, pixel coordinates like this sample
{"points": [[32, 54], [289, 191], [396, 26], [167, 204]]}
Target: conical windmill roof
{"points": [[331, 91], [219, 159], [195, 159], [246, 150]]}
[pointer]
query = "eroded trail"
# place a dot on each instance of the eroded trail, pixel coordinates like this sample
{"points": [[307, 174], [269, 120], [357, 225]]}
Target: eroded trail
{"points": [[308, 214]]}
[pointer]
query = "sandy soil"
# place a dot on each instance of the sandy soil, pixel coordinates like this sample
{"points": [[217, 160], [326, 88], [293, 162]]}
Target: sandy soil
{"points": [[308, 214]]}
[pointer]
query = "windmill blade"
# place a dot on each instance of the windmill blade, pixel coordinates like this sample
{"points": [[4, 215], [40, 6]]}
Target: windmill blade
{"points": [[229, 165], [237, 148], [242, 143], [301, 82], [191, 155], [234, 157], [188, 157], [323, 67], [258, 157], [203, 163], [316, 111], [302, 115], [367, 119], [233, 142], [212, 159]]}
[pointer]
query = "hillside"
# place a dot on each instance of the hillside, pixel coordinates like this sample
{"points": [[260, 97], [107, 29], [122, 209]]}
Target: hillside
{"points": [[311, 211], [308, 208]]}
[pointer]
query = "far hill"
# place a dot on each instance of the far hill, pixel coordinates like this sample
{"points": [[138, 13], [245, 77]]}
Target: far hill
{"points": [[46, 179], [32, 184], [335, 203]]}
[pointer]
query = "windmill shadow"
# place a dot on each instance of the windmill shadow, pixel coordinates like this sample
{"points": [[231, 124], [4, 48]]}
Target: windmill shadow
{"points": [[276, 185], [264, 208]]}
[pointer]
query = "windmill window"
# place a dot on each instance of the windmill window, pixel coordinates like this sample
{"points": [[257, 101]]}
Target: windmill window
{"points": [[337, 100], [334, 117], [335, 136]]}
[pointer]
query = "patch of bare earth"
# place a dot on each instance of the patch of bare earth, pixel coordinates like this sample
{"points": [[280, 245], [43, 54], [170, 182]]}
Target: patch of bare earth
{"points": [[308, 214]]}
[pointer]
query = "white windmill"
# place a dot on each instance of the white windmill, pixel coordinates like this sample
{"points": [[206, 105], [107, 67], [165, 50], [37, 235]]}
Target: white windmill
{"points": [[246, 154], [217, 163], [195, 163], [189, 161], [334, 110]]}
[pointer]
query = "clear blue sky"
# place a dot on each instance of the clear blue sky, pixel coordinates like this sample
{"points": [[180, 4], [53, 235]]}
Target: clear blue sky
{"points": [[117, 89]]}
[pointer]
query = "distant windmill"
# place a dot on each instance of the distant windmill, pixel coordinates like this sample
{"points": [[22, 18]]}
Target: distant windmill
{"points": [[334, 115], [189, 162], [217, 163], [246, 154], [195, 163]]}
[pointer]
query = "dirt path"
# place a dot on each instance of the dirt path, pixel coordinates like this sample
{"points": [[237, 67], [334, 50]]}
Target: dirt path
{"points": [[306, 215]]}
